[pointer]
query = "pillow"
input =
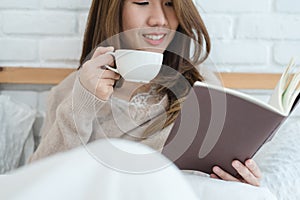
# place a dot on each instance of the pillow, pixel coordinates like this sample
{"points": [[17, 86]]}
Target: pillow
{"points": [[16, 120], [279, 161]]}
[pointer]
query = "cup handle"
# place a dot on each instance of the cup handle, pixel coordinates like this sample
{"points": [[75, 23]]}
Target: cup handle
{"points": [[109, 67]]}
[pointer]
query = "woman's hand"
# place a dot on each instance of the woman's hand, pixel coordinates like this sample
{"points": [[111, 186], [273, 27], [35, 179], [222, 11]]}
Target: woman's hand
{"points": [[249, 172], [97, 79]]}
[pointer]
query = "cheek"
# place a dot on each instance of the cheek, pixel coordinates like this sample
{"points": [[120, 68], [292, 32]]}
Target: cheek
{"points": [[172, 19], [130, 21], [174, 23], [125, 20], [129, 26]]}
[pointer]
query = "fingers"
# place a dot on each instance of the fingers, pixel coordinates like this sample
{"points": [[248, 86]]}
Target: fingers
{"points": [[249, 172], [223, 175], [99, 58], [107, 74], [104, 59], [102, 50], [96, 80], [252, 166], [214, 176], [104, 88], [106, 82], [249, 175]]}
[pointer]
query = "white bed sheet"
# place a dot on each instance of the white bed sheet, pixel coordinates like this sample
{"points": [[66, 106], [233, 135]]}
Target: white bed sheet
{"points": [[88, 173]]}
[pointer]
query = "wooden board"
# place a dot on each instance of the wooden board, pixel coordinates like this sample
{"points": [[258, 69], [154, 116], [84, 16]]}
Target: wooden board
{"points": [[26, 75], [29, 75]]}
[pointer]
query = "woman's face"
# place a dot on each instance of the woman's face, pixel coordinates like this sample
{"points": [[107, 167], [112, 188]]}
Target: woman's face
{"points": [[149, 24]]}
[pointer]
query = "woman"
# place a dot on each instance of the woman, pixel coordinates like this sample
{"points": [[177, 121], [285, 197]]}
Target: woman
{"points": [[90, 104]]}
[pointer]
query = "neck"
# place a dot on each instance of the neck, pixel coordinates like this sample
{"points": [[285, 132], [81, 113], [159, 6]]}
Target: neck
{"points": [[130, 89]]}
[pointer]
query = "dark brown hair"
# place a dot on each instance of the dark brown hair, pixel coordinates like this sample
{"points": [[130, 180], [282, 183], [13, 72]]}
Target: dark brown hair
{"points": [[105, 21]]}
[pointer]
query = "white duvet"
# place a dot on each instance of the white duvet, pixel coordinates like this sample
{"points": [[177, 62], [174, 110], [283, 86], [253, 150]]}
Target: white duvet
{"points": [[88, 173], [279, 161]]}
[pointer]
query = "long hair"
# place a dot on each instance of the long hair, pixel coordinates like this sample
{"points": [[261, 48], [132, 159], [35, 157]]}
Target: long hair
{"points": [[105, 21]]}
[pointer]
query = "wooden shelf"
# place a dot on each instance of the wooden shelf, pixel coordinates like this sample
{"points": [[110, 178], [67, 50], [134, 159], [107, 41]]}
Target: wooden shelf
{"points": [[29, 75], [250, 80]]}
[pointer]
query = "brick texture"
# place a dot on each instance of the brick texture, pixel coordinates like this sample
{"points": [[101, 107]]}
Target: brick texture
{"points": [[259, 35]]}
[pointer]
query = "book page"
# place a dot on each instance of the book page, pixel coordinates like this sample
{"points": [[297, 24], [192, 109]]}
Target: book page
{"points": [[291, 93], [276, 99]]}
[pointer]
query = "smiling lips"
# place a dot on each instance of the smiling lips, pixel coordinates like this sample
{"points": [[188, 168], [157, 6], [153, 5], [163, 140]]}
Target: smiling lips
{"points": [[154, 38]]}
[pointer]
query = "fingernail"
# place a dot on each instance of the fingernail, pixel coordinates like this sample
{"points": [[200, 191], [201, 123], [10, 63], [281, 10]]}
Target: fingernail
{"points": [[236, 164], [250, 163], [216, 169]]}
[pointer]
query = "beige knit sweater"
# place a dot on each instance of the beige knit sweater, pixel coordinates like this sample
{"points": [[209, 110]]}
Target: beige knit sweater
{"points": [[76, 117]]}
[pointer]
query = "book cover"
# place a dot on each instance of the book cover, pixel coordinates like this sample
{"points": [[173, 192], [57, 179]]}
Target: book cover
{"points": [[218, 125]]}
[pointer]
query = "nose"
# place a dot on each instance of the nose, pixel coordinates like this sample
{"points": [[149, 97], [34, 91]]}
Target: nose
{"points": [[157, 17]]}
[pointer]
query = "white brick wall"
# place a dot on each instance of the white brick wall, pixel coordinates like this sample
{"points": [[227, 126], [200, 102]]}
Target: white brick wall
{"points": [[13, 4], [252, 36], [288, 6], [248, 36], [14, 49], [67, 4], [42, 33], [33, 23], [235, 6], [59, 49]]}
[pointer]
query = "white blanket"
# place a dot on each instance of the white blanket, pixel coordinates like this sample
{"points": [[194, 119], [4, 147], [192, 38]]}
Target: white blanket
{"points": [[111, 170]]}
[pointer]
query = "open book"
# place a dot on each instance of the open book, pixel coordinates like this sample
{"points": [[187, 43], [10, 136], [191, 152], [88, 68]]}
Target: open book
{"points": [[218, 125]]}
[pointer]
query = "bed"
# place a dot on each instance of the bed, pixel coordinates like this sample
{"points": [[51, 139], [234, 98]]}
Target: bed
{"points": [[279, 160]]}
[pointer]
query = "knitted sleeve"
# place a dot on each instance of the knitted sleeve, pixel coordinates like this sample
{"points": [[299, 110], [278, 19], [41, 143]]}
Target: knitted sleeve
{"points": [[70, 114]]}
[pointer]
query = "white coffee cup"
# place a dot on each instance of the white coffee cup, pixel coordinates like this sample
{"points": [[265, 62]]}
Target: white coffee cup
{"points": [[136, 65]]}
